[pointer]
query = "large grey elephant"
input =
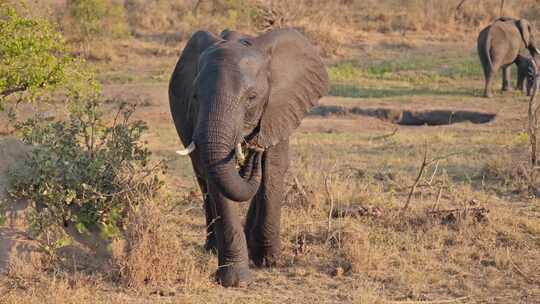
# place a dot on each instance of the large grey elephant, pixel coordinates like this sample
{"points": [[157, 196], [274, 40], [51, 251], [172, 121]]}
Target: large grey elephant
{"points": [[499, 45], [235, 100]]}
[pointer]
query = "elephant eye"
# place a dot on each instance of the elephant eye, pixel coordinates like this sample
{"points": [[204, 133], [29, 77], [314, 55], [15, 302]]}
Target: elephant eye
{"points": [[252, 96], [245, 42]]}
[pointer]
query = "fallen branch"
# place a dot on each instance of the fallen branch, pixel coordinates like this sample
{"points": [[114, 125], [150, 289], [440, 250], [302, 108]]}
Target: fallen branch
{"points": [[357, 211], [519, 271], [384, 136], [8, 92], [450, 216], [432, 302]]}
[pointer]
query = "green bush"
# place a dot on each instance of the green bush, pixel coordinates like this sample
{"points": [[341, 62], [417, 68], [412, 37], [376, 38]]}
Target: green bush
{"points": [[34, 60], [83, 172]]}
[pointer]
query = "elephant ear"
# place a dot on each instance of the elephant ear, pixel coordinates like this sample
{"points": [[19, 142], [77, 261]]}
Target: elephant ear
{"points": [[297, 78], [181, 88], [525, 29]]}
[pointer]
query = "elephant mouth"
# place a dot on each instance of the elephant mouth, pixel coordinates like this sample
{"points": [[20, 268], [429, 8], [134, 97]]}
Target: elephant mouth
{"points": [[244, 149]]}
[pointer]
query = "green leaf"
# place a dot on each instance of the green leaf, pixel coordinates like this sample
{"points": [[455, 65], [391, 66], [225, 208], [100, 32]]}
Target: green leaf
{"points": [[81, 228]]}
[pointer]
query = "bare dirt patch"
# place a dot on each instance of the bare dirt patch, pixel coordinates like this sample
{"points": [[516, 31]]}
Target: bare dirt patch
{"points": [[14, 243]]}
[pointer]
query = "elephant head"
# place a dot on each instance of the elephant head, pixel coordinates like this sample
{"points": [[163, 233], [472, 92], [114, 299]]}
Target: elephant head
{"points": [[250, 91], [528, 36]]}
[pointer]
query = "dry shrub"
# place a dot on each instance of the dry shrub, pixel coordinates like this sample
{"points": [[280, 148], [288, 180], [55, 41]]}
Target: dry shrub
{"points": [[156, 16], [27, 282], [154, 255], [25, 270], [507, 172], [356, 250]]}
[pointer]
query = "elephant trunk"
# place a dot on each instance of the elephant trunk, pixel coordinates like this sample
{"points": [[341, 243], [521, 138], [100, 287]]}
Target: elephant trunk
{"points": [[216, 140]]}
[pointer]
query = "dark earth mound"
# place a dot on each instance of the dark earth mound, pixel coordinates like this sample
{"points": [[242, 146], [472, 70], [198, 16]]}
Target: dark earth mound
{"points": [[408, 117]]}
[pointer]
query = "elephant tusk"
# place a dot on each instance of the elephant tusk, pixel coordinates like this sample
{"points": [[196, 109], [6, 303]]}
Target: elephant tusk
{"points": [[239, 154], [187, 150], [537, 50]]}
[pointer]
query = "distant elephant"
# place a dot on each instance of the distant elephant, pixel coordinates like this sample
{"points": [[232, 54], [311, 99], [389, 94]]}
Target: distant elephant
{"points": [[499, 45], [527, 69], [235, 100]]}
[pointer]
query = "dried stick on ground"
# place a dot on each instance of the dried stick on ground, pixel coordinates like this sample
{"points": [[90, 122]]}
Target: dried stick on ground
{"points": [[384, 136], [417, 180], [331, 201]]}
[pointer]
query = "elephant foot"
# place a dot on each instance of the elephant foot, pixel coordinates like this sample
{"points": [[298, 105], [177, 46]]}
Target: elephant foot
{"points": [[488, 95], [263, 256], [234, 274], [507, 89]]}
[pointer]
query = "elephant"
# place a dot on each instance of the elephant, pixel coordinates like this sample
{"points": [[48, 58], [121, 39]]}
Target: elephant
{"points": [[499, 45], [527, 69], [235, 100]]}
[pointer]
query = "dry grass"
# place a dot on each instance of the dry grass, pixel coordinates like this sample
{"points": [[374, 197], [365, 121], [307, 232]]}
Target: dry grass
{"points": [[333, 25], [157, 255]]}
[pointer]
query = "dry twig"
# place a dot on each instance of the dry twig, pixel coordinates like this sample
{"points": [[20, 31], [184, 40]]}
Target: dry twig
{"points": [[384, 136], [425, 163], [331, 200]]}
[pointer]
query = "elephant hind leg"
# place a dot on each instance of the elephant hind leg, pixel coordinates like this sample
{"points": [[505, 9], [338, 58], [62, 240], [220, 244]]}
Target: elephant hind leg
{"points": [[489, 81], [488, 75], [507, 75]]}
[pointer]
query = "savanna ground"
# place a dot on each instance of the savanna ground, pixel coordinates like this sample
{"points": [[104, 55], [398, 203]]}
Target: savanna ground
{"points": [[471, 233]]}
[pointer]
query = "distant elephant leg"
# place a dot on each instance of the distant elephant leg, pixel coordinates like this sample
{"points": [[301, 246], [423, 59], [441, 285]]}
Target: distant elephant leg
{"points": [[210, 244], [506, 83], [264, 215], [232, 251], [521, 83]]}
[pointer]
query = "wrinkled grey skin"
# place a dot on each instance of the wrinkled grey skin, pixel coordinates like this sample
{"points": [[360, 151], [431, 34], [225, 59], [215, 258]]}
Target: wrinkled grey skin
{"points": [[526, 70], [255, 91], [499, 45]]}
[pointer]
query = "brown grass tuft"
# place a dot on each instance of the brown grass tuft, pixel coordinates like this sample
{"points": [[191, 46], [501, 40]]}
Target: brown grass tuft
{"points": [[155, 254]]}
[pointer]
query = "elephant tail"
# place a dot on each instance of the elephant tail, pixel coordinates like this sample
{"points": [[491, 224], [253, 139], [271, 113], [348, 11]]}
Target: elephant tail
{"points": [[484, 49], [488, 49]]}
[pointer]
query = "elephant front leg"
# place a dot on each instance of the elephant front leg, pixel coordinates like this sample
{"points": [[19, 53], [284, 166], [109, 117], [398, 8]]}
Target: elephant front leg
{"points": [[210, 244], [264, 215], [233, 269]]}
